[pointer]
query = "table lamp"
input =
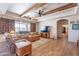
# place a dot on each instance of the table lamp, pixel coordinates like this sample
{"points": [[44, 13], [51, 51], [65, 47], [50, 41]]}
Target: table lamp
{"points": [[12, 33]]}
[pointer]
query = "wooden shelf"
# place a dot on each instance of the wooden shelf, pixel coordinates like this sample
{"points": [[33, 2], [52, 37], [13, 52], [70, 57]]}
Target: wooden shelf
{"points": [[45, 34]]}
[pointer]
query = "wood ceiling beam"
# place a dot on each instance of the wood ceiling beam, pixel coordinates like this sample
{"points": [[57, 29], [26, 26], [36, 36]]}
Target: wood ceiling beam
{"points": [[34, 7], [70, 5]]}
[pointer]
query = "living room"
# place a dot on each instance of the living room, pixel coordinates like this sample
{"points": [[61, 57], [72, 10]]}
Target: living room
{"points": [[26, 29]]}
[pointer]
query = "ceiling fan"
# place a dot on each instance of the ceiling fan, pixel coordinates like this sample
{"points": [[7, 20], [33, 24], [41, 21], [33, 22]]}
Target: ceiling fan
{"points": [[40, 12]]}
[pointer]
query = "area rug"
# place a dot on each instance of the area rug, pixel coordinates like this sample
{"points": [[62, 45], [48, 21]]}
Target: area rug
{"points": [[40, 42]]}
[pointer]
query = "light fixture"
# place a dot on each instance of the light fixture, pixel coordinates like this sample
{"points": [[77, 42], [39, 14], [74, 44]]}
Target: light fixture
{"points": [[12, 33]]}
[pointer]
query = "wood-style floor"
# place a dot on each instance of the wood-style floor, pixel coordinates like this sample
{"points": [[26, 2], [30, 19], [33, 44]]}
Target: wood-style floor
{"points": [[58, 47]]}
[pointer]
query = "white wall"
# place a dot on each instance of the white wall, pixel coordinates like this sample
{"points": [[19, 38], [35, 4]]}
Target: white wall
{"points": [[52, 24], [72, 34], [37, 27]]}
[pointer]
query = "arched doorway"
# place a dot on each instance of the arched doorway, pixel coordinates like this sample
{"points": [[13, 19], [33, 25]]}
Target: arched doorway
{"points": [[62, 28]]}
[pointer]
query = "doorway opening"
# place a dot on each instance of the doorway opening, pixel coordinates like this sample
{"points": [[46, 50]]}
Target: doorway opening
{"points": [[62, 29]]}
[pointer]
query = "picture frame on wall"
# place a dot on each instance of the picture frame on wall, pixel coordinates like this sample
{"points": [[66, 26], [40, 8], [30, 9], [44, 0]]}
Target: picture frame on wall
{"points": [[75, 26]]}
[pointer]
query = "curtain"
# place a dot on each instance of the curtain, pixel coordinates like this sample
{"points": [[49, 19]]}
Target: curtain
{"points": [[33, 27], [6, 25]]}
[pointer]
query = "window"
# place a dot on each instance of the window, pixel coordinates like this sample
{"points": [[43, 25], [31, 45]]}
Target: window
{"points": [[22, 27], [17, 26]]}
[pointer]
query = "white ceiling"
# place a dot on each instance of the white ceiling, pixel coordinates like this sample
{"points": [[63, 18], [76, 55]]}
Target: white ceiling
{"points": [[60, 14], [46, 8], [3, 8], [19, 8], [51, 6]]}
